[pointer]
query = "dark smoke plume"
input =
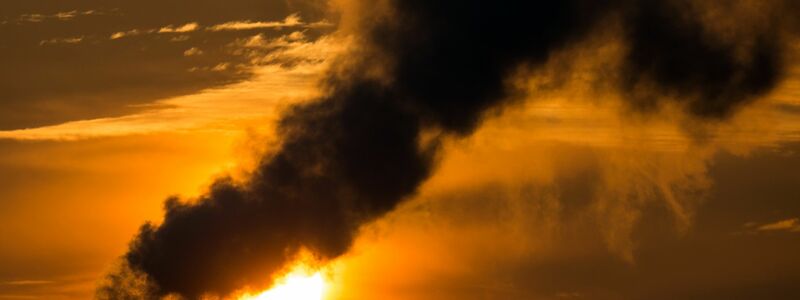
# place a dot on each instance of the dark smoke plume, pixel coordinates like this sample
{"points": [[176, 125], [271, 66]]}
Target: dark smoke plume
{"points": [[681, 59], [356, 153]]}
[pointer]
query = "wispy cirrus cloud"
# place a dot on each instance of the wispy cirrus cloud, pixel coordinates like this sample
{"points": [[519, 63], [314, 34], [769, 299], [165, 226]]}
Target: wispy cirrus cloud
{"points": [[27, 282], [60, 16], [192, 52], [188, 27], [292, 20], [210, 110], [791, 225], [219, 109], [67, 40], [132, 32]]}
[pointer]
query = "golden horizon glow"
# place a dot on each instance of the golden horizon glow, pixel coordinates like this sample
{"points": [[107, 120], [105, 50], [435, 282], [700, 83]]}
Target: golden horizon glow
{"points": [[299, 284]]}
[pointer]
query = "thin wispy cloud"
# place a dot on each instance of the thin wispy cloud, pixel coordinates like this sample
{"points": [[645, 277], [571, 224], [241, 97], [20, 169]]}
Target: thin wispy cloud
{"points": [[27, 282], [209, 110], [67, 40], [791, 225], [189, 27], [321, 24], [186, 28], [180, 38], [14, 296], [60, 16], [133, 32], [192, 52], [271, 87], [290, 21]]}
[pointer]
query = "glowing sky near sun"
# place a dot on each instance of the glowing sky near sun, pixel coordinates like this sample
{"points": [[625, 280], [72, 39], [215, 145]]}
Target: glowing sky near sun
{"points": [[295, 286]]}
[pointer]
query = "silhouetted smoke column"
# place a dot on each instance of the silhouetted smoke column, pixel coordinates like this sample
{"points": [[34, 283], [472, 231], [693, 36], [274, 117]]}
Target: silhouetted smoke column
{"points": [[681, 59], [352, 156]]}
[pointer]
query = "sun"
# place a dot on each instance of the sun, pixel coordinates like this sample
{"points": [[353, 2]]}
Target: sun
{"points": [[297, 285]]}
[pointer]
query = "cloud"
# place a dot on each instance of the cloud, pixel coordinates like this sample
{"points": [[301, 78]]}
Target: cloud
{"points": [[133, 32], [60, 16], [180, 38], [792, 225], [33, 18], [287, 49], [321, 24], [212, 109], [68, 15], [290, 21], [43, 86], [27, 282], [373, 138], [192, 52], [186, 28], [68, 40], [16, 296], [189, 27], [223, 108], [512, 214]]}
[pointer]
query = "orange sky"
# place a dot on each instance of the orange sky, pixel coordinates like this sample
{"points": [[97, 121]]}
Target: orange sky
{"points": [[565, 195]]}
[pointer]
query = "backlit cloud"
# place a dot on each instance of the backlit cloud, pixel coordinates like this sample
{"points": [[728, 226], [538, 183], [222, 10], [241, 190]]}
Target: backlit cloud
{"points": [[186, 28], [189, 27], [60, 16], [792, 225], [290, 21], [132, 32], [68, 40], [192, 52], [293, 20], [272, 87], [27, 282]]}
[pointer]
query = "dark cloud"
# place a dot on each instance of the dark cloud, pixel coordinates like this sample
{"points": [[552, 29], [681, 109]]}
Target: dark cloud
{"points": [[451, 58], [678, 54], [354, 154], [313, 194]]}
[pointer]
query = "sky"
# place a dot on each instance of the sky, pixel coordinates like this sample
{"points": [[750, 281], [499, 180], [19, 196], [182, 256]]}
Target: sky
{"points": [[417, 150]]}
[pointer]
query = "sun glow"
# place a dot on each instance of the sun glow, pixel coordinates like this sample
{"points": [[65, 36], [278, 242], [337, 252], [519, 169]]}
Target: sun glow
{"points": [[300, 284]]}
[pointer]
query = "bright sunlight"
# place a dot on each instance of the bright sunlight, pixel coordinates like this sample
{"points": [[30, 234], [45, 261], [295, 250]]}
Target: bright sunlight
{"points": [[300, 284]]}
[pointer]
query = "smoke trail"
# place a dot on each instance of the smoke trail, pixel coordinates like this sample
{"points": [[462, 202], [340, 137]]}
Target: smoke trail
{"points": [[353, 155]]}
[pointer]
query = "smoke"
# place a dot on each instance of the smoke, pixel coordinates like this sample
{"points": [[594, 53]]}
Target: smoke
{"points": [[681, 57], [423, 66]]}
